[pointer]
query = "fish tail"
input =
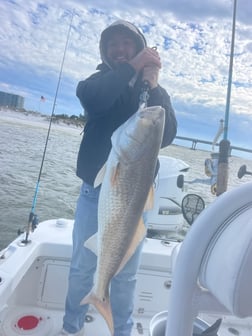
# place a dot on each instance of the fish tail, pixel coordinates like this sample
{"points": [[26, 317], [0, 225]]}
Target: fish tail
{"points": [[103, 306]]}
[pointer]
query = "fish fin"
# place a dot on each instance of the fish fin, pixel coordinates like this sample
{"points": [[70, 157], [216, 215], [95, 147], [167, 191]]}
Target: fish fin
{"points": [[103, 307], [92, 243], [114, 174], [100, 176], [150, 200], [137, 238]]}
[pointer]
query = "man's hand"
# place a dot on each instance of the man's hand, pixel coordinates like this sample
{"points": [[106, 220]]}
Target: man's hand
{"points": [[150, 74], [146, 57]]}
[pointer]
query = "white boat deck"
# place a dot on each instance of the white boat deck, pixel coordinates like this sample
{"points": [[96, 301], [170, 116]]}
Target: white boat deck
{"points": [[34, 282]]}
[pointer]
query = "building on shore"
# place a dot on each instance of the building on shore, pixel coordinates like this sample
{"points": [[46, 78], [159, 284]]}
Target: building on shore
{"points": [[10, 100]]}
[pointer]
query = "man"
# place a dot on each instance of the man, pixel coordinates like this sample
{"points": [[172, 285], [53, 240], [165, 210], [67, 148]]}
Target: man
{"points": [[110, 96]]}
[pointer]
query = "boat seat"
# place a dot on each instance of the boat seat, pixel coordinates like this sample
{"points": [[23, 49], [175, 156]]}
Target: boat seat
{"points": [[213, 270], [226, 270]]}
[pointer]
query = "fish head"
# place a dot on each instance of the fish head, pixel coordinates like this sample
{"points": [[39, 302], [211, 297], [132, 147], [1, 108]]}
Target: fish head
{"points": [[142, 131]]}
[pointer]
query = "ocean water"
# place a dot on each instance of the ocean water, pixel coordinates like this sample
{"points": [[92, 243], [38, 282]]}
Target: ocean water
{"points": [[21, 150]]}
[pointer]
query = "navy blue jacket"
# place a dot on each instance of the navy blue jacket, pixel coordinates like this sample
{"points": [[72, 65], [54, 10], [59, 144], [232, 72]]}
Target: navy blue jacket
{"points": [[109, 101]]}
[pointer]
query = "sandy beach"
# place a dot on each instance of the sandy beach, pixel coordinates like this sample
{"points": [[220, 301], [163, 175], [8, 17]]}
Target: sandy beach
{"points": [[35, 119]]}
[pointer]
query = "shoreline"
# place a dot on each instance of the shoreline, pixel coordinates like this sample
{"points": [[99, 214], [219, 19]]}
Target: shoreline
{"points": [[35, 119]]}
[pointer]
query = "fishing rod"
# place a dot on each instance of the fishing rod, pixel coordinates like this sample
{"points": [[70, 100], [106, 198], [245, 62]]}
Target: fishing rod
{"points": [[33, 220], [224, 149]]}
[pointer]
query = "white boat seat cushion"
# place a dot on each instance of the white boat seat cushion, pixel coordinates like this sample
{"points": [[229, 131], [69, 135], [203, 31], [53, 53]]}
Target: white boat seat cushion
{"points": [[226, 270]]}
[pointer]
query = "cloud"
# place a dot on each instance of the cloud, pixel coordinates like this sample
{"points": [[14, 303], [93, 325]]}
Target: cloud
{"points": [[193, 39]]}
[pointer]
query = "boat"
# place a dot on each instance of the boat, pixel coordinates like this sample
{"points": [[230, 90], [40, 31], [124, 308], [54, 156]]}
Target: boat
{"points": [[34, 271]]}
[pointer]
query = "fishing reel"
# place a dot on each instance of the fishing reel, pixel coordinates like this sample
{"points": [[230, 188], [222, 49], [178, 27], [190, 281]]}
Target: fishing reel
{"points": [[32, 225], [243, 171]]}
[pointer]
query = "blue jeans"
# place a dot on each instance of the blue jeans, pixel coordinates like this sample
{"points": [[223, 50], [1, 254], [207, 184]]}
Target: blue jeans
{"points": [[83, 266]]}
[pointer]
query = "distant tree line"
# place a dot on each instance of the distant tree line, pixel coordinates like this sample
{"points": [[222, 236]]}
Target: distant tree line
{"points": [[70, 120], [78, 121]]}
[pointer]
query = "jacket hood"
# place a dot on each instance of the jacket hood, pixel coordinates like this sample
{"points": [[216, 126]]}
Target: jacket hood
{"points": [[120, 25]]}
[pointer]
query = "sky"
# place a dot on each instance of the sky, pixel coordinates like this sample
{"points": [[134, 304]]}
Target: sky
{"points": [[193, 38]]}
